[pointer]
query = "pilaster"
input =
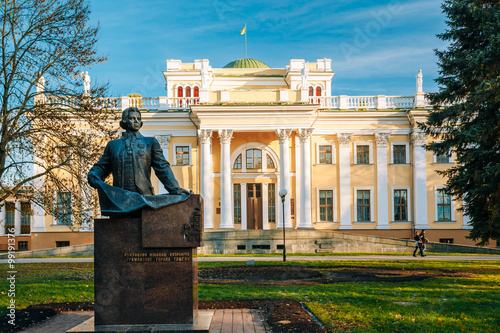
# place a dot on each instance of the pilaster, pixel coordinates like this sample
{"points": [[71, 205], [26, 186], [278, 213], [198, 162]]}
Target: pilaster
{"points": [[419, 180], [382, 185], [164, 141], [226, 214], [345, 180]]}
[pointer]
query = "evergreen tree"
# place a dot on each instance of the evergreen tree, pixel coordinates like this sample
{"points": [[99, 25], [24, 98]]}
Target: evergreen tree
{"points": [[469, 123]]}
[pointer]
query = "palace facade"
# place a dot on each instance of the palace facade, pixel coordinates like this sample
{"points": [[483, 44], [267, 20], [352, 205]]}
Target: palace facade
{"points": [[239, 134]]}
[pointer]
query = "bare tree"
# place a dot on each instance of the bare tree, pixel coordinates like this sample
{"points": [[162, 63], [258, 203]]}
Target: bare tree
{"points": [[50, 125]]}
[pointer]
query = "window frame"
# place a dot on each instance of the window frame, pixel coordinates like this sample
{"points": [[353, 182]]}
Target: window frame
{"points": [[372, 207], [333, 151], [56, 204], [450, 158], [408, 204], [334, 204], [370, 152], [407, 152], [436, 210], [253, 159], [175, 145]]}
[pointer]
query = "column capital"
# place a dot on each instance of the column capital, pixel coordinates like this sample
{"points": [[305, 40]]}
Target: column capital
{"points": [[305, 134], [344, 139], [205, 135], [381, 139], [283, 134], [418, 138], [225, 136], [164, 140]]}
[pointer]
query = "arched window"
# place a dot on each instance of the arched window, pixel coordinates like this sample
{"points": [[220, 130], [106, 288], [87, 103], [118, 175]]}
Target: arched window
{"points": [[188, 91], [254, 159], [179, 92], [318, 91], [270, 163], [237, 163], [311, 91], [196, 92]]}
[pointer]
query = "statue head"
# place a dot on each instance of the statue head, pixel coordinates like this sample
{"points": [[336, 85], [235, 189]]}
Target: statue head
{"points": [[126, 123]]}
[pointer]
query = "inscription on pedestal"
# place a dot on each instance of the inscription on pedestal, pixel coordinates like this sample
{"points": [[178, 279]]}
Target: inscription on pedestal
{"points": [[158, 257]]}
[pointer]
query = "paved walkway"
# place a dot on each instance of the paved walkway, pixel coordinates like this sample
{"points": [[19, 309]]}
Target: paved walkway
{"points": [[224, 321], [280, 258]]}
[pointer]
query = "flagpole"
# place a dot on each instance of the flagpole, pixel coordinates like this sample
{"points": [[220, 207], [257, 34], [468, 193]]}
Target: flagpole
{"points": [[245, 41]]}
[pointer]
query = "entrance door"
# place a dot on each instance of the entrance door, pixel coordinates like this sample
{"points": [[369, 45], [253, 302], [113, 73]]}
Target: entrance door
{"points": [[254, 206]]}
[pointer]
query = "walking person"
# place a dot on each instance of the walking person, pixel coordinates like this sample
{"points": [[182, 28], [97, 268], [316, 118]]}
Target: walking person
{"points": [[423, 241], [418, 244]]}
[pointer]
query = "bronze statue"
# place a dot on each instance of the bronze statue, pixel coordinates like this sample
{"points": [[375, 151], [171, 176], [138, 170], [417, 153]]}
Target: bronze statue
{"points": [[130, 160]]}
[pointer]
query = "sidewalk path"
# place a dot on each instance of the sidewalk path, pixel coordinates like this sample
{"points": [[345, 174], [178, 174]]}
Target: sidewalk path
{"points": [[280, 258]]}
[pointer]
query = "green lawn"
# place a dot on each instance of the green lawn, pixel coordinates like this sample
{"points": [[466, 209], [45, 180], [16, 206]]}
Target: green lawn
{"points": [[444, 304]]}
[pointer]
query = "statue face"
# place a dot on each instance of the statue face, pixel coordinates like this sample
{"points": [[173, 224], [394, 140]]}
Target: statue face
{"points": [[133, 121]]}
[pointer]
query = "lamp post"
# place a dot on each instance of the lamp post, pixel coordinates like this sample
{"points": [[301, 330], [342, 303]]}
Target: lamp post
{"points": [[283, 194]]}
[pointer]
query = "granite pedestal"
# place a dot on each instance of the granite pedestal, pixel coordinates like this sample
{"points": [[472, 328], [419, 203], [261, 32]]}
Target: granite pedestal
{"points": [[145, 272]]}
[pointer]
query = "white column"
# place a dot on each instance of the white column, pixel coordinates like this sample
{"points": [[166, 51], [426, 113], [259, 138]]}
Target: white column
{"points": [[265, 206], [2, 220], [382, 186], [298, 175], [244, 222], [17, 218], [164, 141], [419, 180], [345, 180], [284, 135], [226, 218], [305, 178], [206, 179]]}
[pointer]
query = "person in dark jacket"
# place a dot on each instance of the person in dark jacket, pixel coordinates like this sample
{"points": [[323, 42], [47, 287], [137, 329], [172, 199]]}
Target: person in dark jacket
{"points": [[423, 240], [131, 158], [418, 244]]}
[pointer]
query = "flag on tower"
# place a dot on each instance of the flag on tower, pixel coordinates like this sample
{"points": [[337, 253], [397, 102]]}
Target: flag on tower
{"points": [[244, 30]]}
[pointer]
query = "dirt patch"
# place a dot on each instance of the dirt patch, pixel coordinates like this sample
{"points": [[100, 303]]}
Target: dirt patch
{"points": [[299, 275], [281, 315]]}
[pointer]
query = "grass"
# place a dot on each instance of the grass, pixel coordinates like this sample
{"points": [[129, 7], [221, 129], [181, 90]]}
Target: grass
{"points": [[443, 304]]}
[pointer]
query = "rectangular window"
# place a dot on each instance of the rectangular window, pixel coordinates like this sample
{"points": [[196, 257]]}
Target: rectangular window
{"points": [[326, 206], [64, 208], [363, 154], [271, 203], [63, 155], [363, 205], [22, 245], [25, 218], [446, 240], [62, 243], [400, 205], [399, 154], [254, 159], [325, 154], [237, 203], [10, 213], [443, 205], [182, 155], [443, 158]]}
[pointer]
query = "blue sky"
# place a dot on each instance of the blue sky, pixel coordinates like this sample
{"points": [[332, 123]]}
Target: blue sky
{"points": [[376, 46]]}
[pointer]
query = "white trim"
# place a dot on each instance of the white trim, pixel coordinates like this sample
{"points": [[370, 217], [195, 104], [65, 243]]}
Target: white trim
{"points": [[174, 154], [408, 203], [370, 152], [452, 206], [334, 197], [407, 152], [332, 144], [372, 207]]}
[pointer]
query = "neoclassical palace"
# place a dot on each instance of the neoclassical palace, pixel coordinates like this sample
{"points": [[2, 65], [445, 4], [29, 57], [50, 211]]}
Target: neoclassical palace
{"points": [[239, 134]]}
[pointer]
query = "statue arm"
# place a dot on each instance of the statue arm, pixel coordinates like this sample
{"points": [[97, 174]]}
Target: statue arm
{"points": [[163, 171], [100, 170]]}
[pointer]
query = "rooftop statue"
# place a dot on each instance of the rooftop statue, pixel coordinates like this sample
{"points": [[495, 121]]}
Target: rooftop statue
{"points": [[130, 160]]}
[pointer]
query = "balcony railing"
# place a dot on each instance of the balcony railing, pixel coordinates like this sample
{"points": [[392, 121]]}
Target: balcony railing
{"points": [[342, 102]]}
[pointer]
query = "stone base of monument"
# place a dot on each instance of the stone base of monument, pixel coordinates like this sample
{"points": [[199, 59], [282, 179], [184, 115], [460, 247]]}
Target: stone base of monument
{"points": [[146, 276], [201, 326]]}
